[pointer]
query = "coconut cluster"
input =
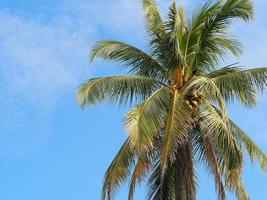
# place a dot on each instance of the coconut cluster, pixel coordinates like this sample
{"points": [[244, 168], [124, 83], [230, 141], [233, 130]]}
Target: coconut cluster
{"points": [[194, 99]]}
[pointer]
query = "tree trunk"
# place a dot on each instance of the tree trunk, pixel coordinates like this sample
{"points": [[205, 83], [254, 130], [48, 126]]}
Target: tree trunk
{"points": [[184, 173]]}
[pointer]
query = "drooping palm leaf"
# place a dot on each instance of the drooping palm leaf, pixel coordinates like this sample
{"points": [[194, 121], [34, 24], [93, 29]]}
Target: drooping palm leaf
{"points": [[121, 88], [143, 122], [209, 156], [177, 127], [248, 145], [236, 83], [212, 123], [118, 170], [140, 171], [159, 187]]}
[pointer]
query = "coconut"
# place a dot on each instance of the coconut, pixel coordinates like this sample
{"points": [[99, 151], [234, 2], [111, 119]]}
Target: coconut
{"points": [[198, 100], [194, 103], [200, 94]]}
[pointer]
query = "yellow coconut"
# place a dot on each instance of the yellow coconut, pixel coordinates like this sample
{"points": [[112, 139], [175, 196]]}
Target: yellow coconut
{"points": [[199, 94], [194, 103]]}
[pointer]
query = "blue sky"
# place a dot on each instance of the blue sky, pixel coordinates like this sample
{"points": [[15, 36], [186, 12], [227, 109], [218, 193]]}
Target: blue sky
{"points": [[49, 148]]}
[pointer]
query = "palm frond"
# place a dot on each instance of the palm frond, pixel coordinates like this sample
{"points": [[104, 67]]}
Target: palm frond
{"points": [[212, 123], [179, 35], [234, 183], [118, 170], [143, 122], [177, 127], [247, 144], [212, 22], [159, 187], [163, 47], [236, 83], [154, 22], [140, 171], [136, 60], [208, 155], [116, 88]]}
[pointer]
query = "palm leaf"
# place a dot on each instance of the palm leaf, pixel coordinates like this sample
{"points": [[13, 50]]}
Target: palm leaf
{"points": [[116, 88], [209, 156], [236, 83], [139, 62], [247, 144], [154, 22], [214, 40], [178, 125], [212, 123], [140, 171], [159, 187], [143, 122], [118, 170]]}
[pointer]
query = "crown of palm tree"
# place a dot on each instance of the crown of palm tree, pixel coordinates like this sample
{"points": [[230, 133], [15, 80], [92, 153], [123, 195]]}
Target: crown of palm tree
{"points": [[179, 92]]}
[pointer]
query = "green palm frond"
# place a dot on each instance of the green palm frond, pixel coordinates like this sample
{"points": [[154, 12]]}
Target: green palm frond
{"points": [[132, 58], [116, 88], [140, 171], [163, 47], [177, 127], [159, 187], [238, 9], [209, 156], [212, 123], [178, 33], [144, 121], [234, 86], [119, 170], [229, 157], [236, 83], [255, 76], [154, 23], [248, 145], [213, 21]]}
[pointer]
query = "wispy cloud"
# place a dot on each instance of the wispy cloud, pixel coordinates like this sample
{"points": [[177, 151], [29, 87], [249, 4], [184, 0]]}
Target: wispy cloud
{"points": [[39, 64], [39, 60]]}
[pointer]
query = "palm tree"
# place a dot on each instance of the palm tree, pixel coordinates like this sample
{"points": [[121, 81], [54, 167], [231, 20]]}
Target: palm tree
{"points": [[179, 92]]}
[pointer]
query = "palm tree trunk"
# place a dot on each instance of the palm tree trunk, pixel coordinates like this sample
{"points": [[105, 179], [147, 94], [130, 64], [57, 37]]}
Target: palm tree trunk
{"points": [[184, 173]]}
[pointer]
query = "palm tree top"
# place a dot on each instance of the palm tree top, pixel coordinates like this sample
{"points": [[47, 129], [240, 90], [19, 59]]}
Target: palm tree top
{"points": [[179, 92]]}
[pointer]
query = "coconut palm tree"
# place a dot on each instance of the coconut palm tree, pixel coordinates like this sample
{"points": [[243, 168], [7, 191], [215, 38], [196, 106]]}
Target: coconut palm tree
{"points": [[178, 91]]}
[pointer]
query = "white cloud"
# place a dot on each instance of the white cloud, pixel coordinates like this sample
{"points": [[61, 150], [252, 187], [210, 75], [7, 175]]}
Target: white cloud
{"points": [[39, 60], [39, 64]]}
